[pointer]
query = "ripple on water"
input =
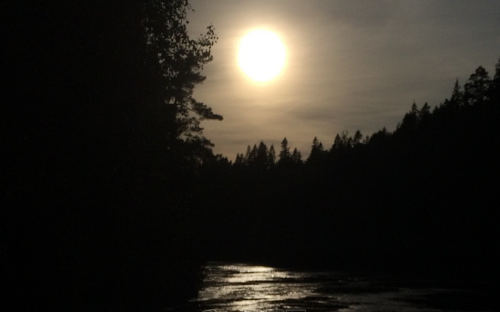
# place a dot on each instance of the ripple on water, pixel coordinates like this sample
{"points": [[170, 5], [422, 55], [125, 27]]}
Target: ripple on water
{"points": [[242, 287]]}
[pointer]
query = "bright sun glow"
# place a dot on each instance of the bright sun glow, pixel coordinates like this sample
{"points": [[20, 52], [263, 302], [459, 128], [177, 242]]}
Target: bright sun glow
{"points": [[262, 55]]}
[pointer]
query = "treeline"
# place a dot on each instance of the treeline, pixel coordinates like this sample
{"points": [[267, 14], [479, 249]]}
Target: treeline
{"points": [[421, 198]]}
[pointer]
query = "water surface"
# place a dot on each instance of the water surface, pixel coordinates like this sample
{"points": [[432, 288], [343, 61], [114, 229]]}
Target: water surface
{"points": [[242, 287]]}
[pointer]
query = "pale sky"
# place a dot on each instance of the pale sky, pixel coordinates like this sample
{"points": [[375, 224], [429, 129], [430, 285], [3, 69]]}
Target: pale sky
{"points": [[351, 65]]}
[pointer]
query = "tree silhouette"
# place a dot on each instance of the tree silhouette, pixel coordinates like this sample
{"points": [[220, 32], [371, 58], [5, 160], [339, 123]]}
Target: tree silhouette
{"points": [[317, 152], [106, 146], [176, 61], [410, 121], [271, 157], [284, 153], [357, 138], [476, 88], [457, 97], [495, 85], [296, 156]]}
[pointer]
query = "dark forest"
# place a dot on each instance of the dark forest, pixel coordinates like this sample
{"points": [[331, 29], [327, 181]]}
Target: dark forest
{"points": [[113, 198]]}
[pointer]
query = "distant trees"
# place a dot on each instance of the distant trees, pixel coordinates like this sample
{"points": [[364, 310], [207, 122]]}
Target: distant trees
{"points": [[478, 90], [261, 157], [288, 158], [426, 189]]}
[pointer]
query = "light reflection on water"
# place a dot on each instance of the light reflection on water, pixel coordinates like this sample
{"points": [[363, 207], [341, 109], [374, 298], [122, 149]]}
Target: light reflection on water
{"points": [[242, 287]]}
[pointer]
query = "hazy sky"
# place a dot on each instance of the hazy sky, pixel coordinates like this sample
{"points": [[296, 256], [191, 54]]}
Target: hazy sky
{"points": [[351, 65]]}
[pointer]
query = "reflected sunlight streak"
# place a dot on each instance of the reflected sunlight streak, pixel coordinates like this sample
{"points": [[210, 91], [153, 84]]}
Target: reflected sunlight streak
{"points": [[242, 287], [251, 288]]}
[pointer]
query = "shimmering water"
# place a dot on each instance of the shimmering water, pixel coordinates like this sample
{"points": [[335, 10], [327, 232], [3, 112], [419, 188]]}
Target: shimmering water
{"points": [[243, 287]]}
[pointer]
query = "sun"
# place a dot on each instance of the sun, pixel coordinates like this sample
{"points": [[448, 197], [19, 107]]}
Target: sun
{"points": [[262, 55]]}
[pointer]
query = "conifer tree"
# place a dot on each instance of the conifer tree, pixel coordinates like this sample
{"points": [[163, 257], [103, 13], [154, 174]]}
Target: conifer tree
{"points": [[317, 151], [357, 138], [261, 158], [271, 157], [495, 85], [285, 151], [296, 156], [457, 96], [337, 143], [477, 87]]}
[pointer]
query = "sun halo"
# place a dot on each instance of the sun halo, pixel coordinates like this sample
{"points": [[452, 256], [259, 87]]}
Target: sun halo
{"points": [[261, 55]]}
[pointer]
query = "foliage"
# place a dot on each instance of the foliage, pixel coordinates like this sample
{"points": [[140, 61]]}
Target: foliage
{"points": [[178, 59], [104, 153]]}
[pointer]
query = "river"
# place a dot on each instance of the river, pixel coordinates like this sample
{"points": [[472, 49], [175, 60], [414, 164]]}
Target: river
{"points": [[243, 287]]}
